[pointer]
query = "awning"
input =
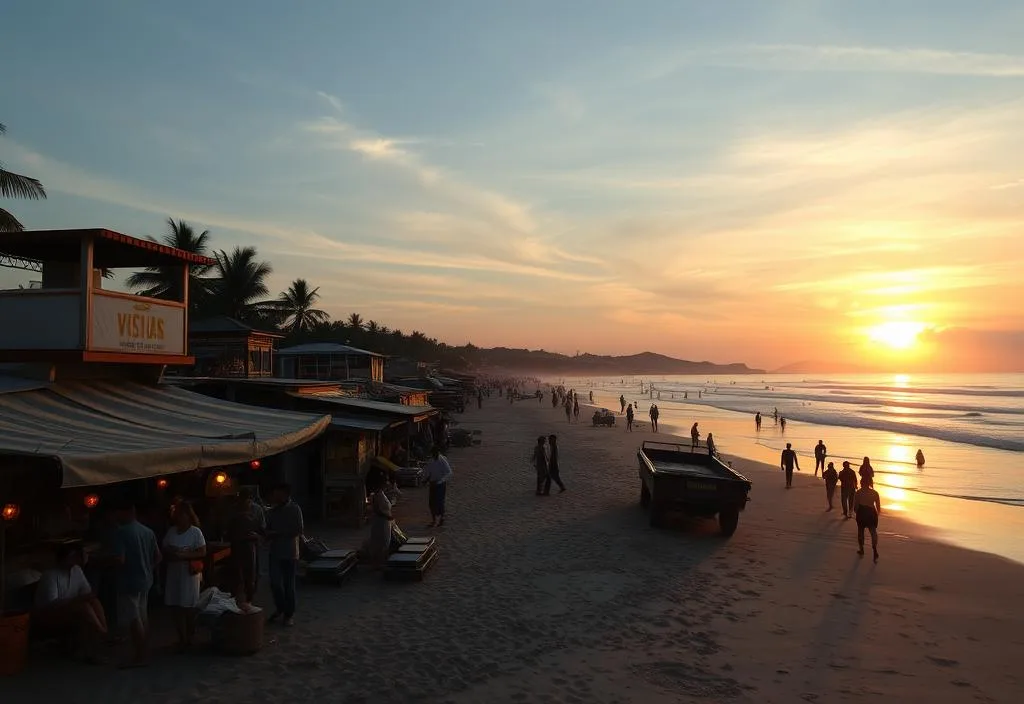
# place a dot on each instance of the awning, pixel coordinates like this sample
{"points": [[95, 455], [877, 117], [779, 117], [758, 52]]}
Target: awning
{"points": [[353, 403], [360, 423], [106, 432]]}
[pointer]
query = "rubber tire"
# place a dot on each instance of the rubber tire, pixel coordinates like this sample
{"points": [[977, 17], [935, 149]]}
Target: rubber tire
{"points": [[645, 496], [728, 519]]}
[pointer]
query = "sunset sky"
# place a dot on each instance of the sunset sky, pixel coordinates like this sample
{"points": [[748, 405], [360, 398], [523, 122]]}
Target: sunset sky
{"points": [[757, 181]]}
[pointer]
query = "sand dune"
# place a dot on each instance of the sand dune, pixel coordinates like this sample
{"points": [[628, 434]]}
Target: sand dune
{"points": [[573, 598]]}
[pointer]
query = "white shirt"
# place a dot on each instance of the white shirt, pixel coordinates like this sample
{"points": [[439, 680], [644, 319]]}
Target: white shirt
{"points": [[438, 471], [58, 584]]}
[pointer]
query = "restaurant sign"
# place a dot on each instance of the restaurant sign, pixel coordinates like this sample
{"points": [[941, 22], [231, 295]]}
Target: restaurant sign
{"points": [[136, 327]]}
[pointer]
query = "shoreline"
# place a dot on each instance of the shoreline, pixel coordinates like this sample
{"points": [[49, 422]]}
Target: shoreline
{"points": [[986, 526]]}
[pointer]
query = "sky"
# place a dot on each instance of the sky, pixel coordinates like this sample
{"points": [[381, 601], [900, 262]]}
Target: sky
{"points": [[747, 181]]}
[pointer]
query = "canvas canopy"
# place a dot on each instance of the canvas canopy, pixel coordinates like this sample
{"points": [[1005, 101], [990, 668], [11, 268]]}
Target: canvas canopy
{"points": [[106, 432]]}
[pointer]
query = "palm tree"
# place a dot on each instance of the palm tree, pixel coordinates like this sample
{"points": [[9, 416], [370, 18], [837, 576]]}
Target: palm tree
{"points": [[239, 286], [14, 185], [165, 281], [355, 321], [296, 305], [373, 328]]}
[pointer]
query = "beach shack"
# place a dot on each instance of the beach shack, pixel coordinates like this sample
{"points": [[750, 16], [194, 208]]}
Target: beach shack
{"points": [[85, 420], [223, 346], [329, 361]]}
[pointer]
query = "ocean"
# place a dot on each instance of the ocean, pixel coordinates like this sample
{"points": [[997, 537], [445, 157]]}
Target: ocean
{"points": [[970, 428]]}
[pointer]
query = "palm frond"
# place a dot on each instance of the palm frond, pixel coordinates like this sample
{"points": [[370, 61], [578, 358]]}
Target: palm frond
{"points": [[9, 223], [14, 185]]}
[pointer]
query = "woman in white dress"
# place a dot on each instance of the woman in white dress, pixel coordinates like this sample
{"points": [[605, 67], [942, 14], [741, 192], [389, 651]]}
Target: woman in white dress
{"points": [[184, 550], [379, 544]]}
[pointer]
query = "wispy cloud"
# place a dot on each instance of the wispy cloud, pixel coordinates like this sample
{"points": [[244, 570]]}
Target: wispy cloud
{"points": [[824, 57]]}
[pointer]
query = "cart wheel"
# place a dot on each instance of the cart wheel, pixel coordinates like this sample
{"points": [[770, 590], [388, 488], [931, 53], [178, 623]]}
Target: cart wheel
{"points": [[728, 519], [645, 495]]}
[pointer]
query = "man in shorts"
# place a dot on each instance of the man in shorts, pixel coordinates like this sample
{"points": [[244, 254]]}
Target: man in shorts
{"points": [[137, 554]]}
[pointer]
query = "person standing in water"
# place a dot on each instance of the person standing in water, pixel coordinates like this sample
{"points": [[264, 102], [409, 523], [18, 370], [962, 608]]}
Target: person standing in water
{"points": [[788, 460], [920, 459], [782, 423], [694, 437], [831, 477], [867, 505], [847, 488], [629, 418], [820, 453]]}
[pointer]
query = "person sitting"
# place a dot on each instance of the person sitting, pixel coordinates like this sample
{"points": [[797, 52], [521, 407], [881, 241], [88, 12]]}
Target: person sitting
{"points": [[65, 604]]}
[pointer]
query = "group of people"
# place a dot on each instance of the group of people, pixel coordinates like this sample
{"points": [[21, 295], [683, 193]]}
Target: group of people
{"points": [[66, 600]]}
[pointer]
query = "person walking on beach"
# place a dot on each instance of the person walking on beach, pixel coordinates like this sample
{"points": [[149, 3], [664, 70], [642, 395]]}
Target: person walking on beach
{"points": [[654, 417], [284, 528], [568, 411], [757, 421], [540, 464], [868, 505], [622, 403], [782, 423], [820, 453], [576, 408], [694, 438], [848, 486], [629, 418], [553, 471], [137, 555], [866, 471], [591, 396], [437, 472], [920, 459], [789, 459], [831, 477], [776, 414]]}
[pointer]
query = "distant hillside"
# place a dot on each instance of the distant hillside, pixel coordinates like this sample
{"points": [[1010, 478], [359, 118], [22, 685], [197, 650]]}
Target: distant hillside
{"points": [[539, 361]]}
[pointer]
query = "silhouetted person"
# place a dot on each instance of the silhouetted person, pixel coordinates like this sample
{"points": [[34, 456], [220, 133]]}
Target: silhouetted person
{"points": [[540, 463], [576, 408], [591, 396], [622, 403], [866, 471], [848, 487], [694, 438], [920, 459], [776, 414], [553, 475], [782, 423], [788, 460], [757, 421], [629, 418], [568, 411], [654, 417], [711, 445], [831, 477], [868, 505], [820, 453]]}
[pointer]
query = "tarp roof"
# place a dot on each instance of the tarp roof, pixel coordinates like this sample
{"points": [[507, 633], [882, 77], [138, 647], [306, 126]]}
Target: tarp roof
{"points": [[314, 348], [107, 432], [396, 409], [360, 423]]}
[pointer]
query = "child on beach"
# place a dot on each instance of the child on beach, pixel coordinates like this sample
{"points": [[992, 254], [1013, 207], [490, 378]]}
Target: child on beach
{"points": [[868, 505]]}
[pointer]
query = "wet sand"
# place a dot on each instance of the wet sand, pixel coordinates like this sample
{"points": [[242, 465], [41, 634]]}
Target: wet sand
{"points": [[574, 598]]}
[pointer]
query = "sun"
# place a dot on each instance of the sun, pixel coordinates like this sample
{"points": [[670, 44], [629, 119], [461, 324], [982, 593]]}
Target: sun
{"points": [[896, 335]]}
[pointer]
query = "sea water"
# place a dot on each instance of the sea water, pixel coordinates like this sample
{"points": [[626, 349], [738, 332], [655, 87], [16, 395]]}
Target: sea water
{"points": [[969, 427]]}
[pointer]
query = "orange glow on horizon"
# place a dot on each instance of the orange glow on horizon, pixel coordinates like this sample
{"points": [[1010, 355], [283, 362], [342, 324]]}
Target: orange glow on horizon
{"points": [[899, 335]]}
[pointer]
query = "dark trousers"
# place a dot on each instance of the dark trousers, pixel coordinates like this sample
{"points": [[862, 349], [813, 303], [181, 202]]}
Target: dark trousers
{"points": [[243, 555], [819, 462], [438, 491], [830, 492], [846, 496], [553, 477], [282, 584], [789, 476], [541, 478]]}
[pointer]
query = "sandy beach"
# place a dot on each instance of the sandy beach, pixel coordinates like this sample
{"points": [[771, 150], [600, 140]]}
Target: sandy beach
{"points": [[574, 598]]}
